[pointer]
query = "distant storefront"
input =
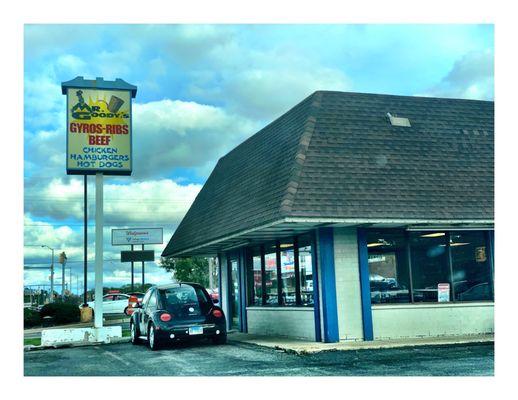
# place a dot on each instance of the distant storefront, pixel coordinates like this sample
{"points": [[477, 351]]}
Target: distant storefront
{"points": [[354, 217]]}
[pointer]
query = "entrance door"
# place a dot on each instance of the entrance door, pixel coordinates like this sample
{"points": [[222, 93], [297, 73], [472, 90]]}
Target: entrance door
{"points": [[234, 294]]}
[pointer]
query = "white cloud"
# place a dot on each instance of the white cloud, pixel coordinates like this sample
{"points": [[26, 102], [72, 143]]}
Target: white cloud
{"points": [[162, 201], [174, 133], [262, 84], [471, 77]]}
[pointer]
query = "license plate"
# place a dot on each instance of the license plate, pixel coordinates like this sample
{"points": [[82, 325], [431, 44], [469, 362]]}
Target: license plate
{"points": [[196, 330]]}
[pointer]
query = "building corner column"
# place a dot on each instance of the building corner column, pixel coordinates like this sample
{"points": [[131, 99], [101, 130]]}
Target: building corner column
{"points": [[328, 285], [363, 261]]}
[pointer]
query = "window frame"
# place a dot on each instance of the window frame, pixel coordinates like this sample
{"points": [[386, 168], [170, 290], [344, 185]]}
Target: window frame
{"points": [[277, 245]]}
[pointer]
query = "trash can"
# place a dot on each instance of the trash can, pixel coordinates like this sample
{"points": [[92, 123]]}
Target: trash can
{"points": [[86, 314], [47, 321]]}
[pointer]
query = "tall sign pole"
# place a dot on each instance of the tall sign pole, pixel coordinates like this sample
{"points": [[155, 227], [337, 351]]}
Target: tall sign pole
{"points": [[99, 142], [85, 242], [98, 315]]}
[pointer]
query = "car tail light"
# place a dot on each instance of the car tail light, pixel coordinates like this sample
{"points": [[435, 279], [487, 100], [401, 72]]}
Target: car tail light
{"points": [[133, 300], [165, 317], [217, 313]]}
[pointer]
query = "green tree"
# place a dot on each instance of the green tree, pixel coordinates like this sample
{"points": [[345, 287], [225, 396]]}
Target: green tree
{"points": [[193, 269]]}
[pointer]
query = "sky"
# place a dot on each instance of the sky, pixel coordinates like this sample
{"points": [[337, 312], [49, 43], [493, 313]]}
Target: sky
{"points": [[202, 90]]}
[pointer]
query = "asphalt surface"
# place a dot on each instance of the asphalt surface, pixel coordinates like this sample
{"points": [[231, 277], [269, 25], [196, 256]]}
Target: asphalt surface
{"points": [[239, 359]]}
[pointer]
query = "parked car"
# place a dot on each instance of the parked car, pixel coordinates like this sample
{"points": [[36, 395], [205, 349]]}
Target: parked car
{"points": [[177, 312], [113, 303]]}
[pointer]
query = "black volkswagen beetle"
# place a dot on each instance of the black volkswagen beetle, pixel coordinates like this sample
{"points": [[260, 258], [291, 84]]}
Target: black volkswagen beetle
{"points": [[177, 312]]}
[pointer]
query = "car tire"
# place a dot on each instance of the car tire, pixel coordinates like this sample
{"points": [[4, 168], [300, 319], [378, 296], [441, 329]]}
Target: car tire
{"points": [[220, 339], [134, 333], [126, 311], [152, 341]]}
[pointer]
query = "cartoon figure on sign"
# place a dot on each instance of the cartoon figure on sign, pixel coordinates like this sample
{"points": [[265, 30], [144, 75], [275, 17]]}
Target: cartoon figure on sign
{"points": [[81, 110]]}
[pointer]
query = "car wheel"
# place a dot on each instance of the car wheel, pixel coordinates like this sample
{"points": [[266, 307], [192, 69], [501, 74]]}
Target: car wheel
{"points": [[152, 340], [134, 334], [220, 339]]}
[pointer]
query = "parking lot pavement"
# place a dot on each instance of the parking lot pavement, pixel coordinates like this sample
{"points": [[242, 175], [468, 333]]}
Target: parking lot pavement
{"points": [[238, 359]]}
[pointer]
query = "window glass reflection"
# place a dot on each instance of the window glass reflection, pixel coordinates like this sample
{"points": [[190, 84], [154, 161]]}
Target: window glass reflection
{"points": [[257, 285], [270, 266], [388, 267], [430, 266], [470, 264], [288, 274], [305, 271]]}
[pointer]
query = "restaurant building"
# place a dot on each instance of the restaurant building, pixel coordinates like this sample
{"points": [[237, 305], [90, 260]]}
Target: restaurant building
{"points": [[354, 217]]}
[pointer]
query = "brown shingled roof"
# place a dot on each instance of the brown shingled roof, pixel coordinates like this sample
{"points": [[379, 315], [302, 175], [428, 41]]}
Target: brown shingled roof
{"points": [[336, 155]]}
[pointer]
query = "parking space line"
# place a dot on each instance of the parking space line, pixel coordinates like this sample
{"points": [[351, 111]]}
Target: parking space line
{"points": [[122, 360]]}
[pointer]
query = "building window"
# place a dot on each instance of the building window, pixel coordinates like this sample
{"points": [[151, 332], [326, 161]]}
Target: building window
{"points": [[429, 266], [288, 276], [270, 269], [430, 269], [290, 261], [470, 266], [257, 298], [305, 271], [388, 267]]}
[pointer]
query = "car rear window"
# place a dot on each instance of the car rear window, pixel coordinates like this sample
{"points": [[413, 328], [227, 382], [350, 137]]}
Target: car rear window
{"points": [[185, 301]]}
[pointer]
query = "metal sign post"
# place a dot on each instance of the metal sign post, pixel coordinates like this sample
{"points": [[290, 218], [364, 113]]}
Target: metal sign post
{"points": [[98, 308], [142, 271], [132, 274], [85, 242]]}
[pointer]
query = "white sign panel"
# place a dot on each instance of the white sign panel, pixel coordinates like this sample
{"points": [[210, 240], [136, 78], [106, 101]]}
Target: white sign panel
{"points": [[443, 292], [137, 236]]}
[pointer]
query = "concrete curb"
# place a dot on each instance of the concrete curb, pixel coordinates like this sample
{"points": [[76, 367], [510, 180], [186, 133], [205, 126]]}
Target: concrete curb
{"points": [[31, 347], [303, 348]]}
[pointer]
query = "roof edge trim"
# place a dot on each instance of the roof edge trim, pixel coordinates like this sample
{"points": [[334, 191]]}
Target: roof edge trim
{"points": [[386, 221], [304, 142], [222, 239]]}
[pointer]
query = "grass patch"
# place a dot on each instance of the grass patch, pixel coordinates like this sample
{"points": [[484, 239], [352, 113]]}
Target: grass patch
{"points": [[126, 333], [33, 341]]}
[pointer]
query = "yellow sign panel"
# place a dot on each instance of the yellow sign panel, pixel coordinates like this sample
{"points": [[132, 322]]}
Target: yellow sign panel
{"points": [[98, 131]]}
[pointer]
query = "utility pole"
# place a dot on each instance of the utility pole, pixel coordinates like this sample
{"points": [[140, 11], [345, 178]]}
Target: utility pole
{"points": [[62, 261], [51, 274], [211, 271]]}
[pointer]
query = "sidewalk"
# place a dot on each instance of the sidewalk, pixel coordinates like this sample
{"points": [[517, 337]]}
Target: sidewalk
{"points": [[302, 347]]}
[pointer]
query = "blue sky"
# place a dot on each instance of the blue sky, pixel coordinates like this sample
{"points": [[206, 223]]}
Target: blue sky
{"points": [[203, 89]]}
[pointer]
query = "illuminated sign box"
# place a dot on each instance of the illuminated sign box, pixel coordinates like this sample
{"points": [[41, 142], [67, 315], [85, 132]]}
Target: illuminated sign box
{"points": [[99, 128]]}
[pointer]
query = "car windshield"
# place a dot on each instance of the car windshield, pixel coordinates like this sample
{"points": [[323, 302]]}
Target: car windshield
{"points": [[184, 301]]}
